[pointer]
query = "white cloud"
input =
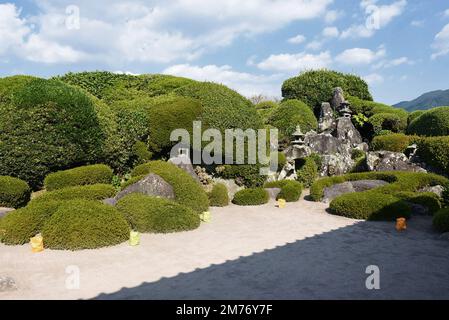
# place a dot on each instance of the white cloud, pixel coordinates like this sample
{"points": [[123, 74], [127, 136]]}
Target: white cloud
{"points": [[332, 15], [297, 39], [377, 17], [417, 23], [373, 79], [245, 83], [359, 56], [441, 43], [296, 62], [12, 28], [330, 32], [446, 13], [315, 45], [394, 63]]}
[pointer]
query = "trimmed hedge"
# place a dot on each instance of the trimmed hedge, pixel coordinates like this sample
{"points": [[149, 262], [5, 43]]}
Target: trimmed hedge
{"points": [[188, 192], [434, 152], [87, 175], [315, 87], [218, 197], [370, 206], [158, 215], [251, 197], [445, 196], [441, 220], [414, 115], [87, 192], [84, 224], [290, 114], [397, 142], [290, 190], [14, 193], [434, 122], [307, 172], [427, 199], [265, 109], [47, 126], [387, 121], [140, 153], [247, 175]]}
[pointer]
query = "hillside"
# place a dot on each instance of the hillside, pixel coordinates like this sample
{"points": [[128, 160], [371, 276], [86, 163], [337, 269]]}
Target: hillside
{"points": [[426, 101]]}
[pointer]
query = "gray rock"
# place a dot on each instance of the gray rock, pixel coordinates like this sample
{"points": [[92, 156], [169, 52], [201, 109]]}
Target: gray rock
{"points": [[110, 201], [438, 190], [336, 164], [273, 192], [323, 143], [327, 121], [5, 211], [347, 132], [184, 162], [390, 161], [336, 190], [337, 98], [362, 146], [7, 284], [151, 185], [364, 185]]}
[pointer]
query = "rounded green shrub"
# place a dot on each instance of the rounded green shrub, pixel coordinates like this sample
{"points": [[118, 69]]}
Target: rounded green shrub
{"points": [[247, 175], [47, 126], [223, 108], [290, 114], [427, 199], [445, 196], [84, 224], [87, 192], [157, 215], [290, 190], [187, 191], [307, 172], [93, 174], [434, 122], [315, 87], [370, 206], [10, 85], [265, 109], [177, 113], [397, 142], [441, 220], [387, 121], [251, 197], [18, 226], [414, 115], [434, 152], [141, 153], [218, 196], [14, 193]]}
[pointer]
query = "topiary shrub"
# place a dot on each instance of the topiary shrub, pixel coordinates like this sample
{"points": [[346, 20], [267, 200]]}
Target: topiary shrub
{"points": [[218, 197], [247, 175], [394, 142], [434, 122], [445, 196], [370, 206], [290, 190], [14, 193], [47, 126], [141, 154], [434, 152], [427, 199], [414, 115], [265, 109], [441, 220], [251, 197], [315, 87], [175, 113], [84, 224], [307, 172], [87, 192], [188, 192], [94, 174], [387, 121], [158, 215], [18, 226], [289, 115]]}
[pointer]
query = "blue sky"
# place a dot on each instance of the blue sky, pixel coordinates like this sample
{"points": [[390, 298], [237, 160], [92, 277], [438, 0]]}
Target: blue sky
{"points": [[401, 47]]}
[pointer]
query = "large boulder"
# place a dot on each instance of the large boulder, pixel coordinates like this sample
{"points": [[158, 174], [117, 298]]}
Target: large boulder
{"points": [[364, 185], [438, 190], [390, 161], [323, 143], [337, 98], [151, 185], [326, 122], [183, 161], [347, 132], [339, 189], [336, 164]]}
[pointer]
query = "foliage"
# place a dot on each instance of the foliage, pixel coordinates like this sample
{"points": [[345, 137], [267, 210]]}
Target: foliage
{"points": [[387, 121], [244, 174], [396, 142], [290, 190], [141, 154], [434, 122], [265, 109], [434, 152], [87, 192], [429, 200], [307, 172], [14, 193], [441, 220], [414, 115], [93, 174], [251, 197], [218, 197]]}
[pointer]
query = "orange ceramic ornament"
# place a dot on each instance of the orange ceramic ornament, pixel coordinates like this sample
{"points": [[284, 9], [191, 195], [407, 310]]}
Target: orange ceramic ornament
{"points": [[401, 224]]}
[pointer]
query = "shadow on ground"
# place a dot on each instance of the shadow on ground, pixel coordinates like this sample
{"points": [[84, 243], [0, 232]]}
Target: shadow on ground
{"points": [[413, 265]]}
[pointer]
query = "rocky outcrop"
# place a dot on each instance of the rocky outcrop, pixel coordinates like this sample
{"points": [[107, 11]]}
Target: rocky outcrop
{"points": [[390, 161], [151, 185], [337, 98], [327, 121], [336, 164], [339, 189], [438, 190], [323, 143], [347, 132], [364, 185]]}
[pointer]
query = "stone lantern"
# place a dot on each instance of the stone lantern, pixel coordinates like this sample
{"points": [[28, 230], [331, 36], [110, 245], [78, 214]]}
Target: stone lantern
{"points": [[298, 137], [345, 111]]}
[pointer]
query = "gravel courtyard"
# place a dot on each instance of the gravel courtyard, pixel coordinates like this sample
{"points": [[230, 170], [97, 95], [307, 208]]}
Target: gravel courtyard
{"points": [[300, 252]]}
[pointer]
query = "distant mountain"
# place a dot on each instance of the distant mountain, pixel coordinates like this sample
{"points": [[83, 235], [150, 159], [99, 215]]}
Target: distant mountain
{"points": [[428, 100]]}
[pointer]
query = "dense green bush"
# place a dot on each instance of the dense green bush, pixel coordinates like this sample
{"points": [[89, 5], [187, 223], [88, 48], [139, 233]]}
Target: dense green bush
{"points": [[94, 174], [290, 190], [434, 152], [387, 121], [218, 197], [177, 113], [14, 193], [10, 85], [47, 126], [445, 196], [251, 197], [247, 175], [87, 192], [223, 108], [427, 199], [158, 215], [315, 87], [370, 206], [397, 142], [140, 153], [188, 192], [414, 115], [441, 220], [18, 226], [289, 115], [282, 160], [84, 224], [434, 122], [308, 171], [265, 109]]}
